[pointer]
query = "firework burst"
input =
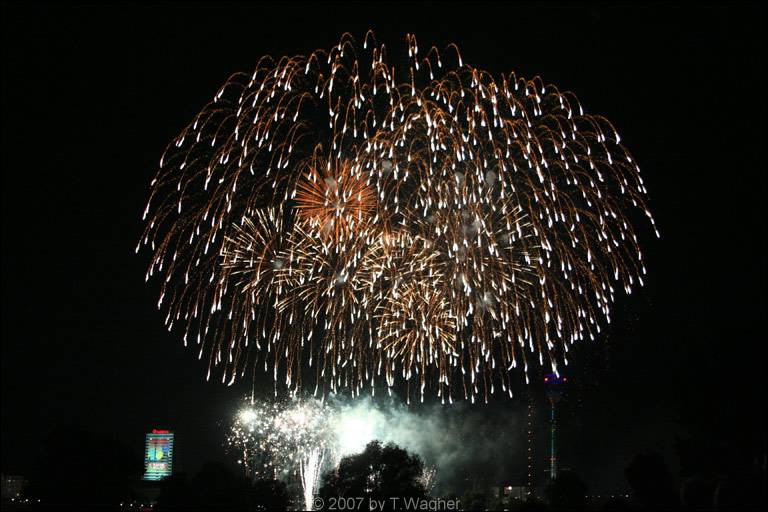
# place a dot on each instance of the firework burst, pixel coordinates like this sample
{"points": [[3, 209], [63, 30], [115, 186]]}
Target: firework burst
{"points": [[281, 439], [328, 218], [337, 204]]}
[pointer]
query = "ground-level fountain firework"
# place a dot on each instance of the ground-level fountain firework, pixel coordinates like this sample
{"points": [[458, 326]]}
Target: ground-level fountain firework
{"points": [[280, 440], [297, 440]]}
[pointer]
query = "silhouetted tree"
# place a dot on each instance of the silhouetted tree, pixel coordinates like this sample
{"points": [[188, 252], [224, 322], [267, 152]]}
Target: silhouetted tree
{"points": [[651, 482], [80, 469], [269, 495], [378, 473], [567, 492]]}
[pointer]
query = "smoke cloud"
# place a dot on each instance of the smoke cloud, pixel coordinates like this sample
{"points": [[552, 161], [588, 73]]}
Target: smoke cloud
{"points": [[469, 445]]}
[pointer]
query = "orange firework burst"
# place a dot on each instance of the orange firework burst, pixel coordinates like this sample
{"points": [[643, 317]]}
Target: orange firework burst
{"points": [[327, 218], [335, 202]]}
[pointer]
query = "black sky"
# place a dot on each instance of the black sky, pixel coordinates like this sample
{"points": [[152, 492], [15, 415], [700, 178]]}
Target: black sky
{"points": [[91, 94]]}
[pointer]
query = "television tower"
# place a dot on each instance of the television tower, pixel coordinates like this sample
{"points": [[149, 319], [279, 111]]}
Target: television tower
{"points": [[554, 385]]}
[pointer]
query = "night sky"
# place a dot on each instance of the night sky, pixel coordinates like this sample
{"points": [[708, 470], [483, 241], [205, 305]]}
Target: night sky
{"points": [[91, 95]]}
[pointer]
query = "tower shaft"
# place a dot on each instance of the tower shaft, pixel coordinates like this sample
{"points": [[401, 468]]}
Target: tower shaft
{"points": [[555, 391]]}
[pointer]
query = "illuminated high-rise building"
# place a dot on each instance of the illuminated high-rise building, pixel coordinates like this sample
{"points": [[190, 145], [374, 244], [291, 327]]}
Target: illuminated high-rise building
{"points": [[158, 455]]}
